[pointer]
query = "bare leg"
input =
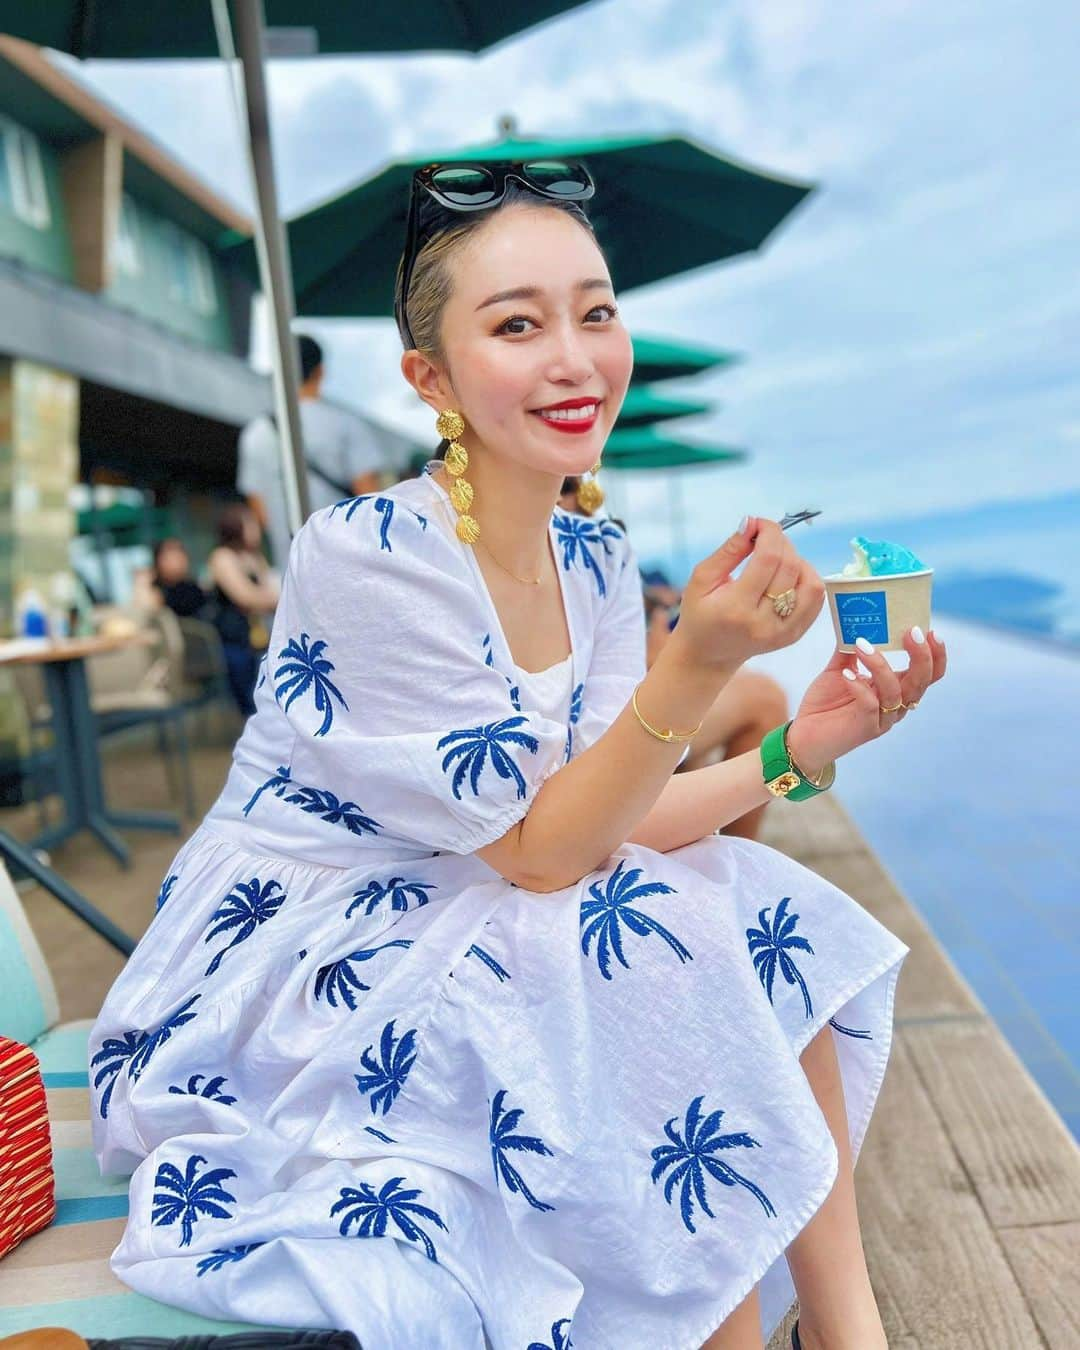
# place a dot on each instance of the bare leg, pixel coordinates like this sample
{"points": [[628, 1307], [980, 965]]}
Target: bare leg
{"points": [[741, 1330], [748, 707], [837, 1310]]}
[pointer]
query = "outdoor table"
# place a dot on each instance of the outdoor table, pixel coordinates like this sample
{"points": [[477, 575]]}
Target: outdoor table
{"points": [[78, 766]]}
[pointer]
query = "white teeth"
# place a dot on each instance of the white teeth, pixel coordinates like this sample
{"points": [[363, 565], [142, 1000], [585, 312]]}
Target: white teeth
{"points": [[569, 414]]}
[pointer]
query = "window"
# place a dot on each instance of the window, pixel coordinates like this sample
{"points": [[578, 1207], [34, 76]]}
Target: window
{"points": [[127, 253], [190, 271], [22, 178]]}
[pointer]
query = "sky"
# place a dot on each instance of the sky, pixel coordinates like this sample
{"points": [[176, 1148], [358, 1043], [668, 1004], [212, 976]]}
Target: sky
{"points": [[911, 332]]}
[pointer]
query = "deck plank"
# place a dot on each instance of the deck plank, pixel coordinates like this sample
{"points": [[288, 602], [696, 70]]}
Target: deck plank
{"points": [[938, 1267], [1022, 1161], [1044, 1260]]}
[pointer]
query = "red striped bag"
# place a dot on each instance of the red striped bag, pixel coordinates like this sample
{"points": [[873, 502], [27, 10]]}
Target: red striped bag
{"points": [[27, 1184]]}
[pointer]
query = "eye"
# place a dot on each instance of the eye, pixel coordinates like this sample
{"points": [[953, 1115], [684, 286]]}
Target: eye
{"points": [[608, 311], [505, 326]]}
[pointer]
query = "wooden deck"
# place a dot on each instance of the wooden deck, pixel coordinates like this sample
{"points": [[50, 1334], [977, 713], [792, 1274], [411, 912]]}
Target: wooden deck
{"points": [[968, 1183]]}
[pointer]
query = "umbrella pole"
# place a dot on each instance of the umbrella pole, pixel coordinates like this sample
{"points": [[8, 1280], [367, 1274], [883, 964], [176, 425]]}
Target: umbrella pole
{"points": [[274, 269]]}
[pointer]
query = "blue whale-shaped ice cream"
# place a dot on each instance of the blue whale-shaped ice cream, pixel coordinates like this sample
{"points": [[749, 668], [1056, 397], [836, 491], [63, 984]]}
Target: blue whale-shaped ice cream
{"points": [[879, 558]]}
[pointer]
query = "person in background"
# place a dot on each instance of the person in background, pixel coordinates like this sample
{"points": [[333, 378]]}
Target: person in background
{"points": [[169, 582], [343, 458], [745, 710], [245, 589]]}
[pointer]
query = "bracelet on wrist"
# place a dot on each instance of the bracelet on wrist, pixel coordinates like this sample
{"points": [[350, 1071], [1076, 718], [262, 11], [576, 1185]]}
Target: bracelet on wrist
{"points": [[667, 735], [783, 777]]}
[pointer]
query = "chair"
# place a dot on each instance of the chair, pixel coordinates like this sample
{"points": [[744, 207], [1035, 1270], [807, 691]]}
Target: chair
{"points": [[140, 686]]}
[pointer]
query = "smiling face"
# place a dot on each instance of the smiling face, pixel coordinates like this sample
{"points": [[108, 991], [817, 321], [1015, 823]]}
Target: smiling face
{"points": [[534, 354]]}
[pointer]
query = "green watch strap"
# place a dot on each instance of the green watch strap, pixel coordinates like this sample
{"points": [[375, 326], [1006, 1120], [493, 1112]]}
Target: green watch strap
{"points": [[782, 777]]}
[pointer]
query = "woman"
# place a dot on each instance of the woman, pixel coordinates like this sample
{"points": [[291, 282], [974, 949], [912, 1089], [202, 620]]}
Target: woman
{"points": [[458, 1026], [244, 589], [169, 582]]}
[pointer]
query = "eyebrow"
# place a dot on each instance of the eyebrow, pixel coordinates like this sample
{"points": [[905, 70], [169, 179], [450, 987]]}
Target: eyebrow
{"points": [[532, 292]]}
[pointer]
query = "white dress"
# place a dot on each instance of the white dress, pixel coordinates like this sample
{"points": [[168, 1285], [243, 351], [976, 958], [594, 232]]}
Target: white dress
{"points": [[367, 1083]]}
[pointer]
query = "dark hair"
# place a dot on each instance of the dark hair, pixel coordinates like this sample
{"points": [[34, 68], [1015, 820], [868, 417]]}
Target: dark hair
{"points": [[231, 525], [311, 355], [170, 541], [568, 485]]}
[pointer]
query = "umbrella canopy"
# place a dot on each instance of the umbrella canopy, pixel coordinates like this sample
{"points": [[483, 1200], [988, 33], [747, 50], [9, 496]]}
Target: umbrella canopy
{"points": [[664, 359], [647, 448], [664, 205], [107, 29], [643, 406]]}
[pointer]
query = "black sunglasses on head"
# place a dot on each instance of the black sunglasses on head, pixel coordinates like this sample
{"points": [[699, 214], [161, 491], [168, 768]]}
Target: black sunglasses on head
{"points": [[474, 187]]}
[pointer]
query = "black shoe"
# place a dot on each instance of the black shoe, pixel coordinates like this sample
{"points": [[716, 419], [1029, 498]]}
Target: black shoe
{"points": [[796, 1344]]}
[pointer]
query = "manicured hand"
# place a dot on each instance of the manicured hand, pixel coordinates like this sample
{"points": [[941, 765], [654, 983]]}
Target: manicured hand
{"points": [[845, 707], [724, 620]]}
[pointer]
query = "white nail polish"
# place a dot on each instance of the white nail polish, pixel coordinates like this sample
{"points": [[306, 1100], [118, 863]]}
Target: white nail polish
{"points": [[864, 646], [849, 675], [742, 525], [918, 635]]}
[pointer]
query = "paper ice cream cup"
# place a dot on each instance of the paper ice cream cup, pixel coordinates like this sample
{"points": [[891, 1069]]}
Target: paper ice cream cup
{"points": [[880, 609]]}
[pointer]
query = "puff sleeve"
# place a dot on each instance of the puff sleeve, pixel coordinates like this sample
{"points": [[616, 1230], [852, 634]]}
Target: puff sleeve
{"points": [[378, 664]]}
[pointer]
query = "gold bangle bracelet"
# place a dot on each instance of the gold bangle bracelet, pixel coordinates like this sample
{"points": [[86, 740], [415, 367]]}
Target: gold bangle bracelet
{"points": [[668, 736]]}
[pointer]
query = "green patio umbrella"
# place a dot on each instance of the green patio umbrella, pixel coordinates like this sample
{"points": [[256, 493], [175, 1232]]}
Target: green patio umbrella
{"points": [[643, 449], [643, 407], [647, 448], [664, 205], [666, 359], [111, 29], [199, 28]]}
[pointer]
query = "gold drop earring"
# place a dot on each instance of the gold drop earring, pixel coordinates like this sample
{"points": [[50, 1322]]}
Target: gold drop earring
{"points": [[590, 495], [450, 425]]}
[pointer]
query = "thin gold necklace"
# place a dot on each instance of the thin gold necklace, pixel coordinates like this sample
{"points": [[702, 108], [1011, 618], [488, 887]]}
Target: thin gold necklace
{"points": [[528, 581]]}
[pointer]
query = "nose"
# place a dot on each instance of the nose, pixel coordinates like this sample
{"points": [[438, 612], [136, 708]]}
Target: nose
{"points": [[570, 360]]}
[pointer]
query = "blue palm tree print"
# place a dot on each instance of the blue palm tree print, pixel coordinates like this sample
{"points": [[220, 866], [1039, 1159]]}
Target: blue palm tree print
{"points": [[560, 1337], [211, 1089], [166, 890], [262, 673], [578, 536], [115, 1052], [319, 802], [339, 980], [770, 945], [303, 670], [397, 889], [150, 1043], [488, 960], [379, 1134], [502, 1138], [472, 747], [224, 1257], [371, 1213], [575, 717], [386, 1075], [276, 785], [188, 1197], [485, 647], [847, 1031], [384, 506], [610, 907], [690, 1156], [248, 904]]}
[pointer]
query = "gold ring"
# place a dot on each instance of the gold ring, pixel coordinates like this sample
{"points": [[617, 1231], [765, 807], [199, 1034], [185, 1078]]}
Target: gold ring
{"points": [[784, 603], [882, 707], [907, 707]]}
